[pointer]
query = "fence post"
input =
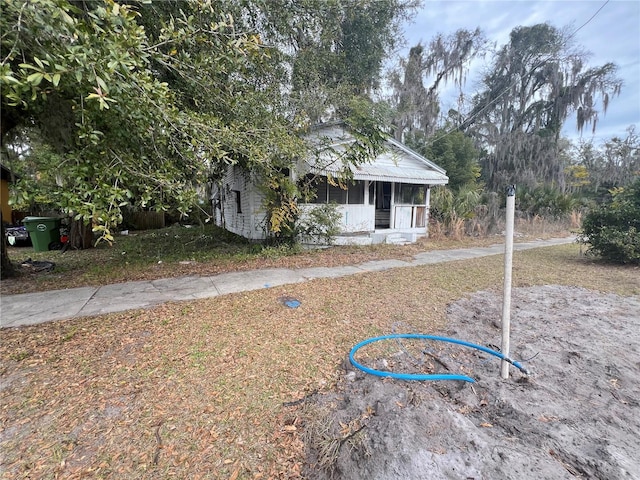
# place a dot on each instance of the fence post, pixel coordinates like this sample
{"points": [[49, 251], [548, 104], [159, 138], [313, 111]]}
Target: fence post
{"points": [[508, 261]]}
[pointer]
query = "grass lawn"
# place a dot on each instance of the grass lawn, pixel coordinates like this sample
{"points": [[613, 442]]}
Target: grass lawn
{"points": [[196, 389], [177, 251]]}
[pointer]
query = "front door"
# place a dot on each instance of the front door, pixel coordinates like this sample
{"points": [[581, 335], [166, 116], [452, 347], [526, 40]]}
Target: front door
{"points": [[383, 204]]}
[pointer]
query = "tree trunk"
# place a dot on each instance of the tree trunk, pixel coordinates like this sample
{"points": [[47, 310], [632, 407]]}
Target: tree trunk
{"points": [[80, 235], [6, 267]]}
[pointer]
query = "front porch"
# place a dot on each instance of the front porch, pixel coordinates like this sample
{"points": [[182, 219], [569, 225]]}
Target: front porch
{"points": [[373, 212], [382, 235]]}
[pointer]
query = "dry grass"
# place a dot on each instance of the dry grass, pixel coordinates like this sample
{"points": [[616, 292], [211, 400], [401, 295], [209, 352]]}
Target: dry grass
{"points": [[177, 251], [196, 389]]}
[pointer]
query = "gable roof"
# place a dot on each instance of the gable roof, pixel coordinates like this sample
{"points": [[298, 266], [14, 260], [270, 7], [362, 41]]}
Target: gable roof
{"points": [[397, 163]]}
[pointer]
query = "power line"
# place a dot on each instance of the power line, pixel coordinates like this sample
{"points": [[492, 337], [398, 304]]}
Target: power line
{"points": [[508, 87], [588, 21]]}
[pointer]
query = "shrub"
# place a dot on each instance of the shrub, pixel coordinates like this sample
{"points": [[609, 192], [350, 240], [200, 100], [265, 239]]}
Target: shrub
{"points": [[546, 201], [613, 229], [454, 208], [319, 224]]}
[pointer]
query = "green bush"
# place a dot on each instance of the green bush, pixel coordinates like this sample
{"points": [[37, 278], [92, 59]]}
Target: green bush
{"points": [[546, 201], [613, 229], [319, 224]]}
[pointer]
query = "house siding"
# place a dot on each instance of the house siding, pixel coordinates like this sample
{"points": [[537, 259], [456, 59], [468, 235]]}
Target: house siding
{"points": [[353, 218], [249, 221], [397, 166]]}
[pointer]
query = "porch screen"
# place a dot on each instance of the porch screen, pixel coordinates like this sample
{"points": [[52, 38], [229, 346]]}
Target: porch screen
{"points": [[337, 195], [410, 194], [355, 194], [327, 193], [321, 190]]}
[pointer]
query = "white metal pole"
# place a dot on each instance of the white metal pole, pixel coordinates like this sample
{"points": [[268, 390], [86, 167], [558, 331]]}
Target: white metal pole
{"points": [[508, 262]]}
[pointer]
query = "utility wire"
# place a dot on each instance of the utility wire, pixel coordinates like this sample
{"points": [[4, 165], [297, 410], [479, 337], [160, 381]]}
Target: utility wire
{"points": [[508, 87], [588, 21]]}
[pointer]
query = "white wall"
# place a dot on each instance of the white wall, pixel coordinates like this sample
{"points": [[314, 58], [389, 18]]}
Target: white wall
{"points": [[357, 218], [354, 218], [250, 221]]}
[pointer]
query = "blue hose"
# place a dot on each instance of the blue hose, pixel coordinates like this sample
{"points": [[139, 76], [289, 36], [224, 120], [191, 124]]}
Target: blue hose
{"points": [[415, 376]]}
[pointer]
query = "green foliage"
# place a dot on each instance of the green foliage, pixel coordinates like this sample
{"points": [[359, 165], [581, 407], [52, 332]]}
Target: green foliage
{"points": [[614, 163], [452, 151], [576, 177], [319, 223], [84, 82], [452, 208], [343, 42], [456, 203], [364, 120], [613, 229], [280, 202], [103, 131], [546, 201], [139, 105]]}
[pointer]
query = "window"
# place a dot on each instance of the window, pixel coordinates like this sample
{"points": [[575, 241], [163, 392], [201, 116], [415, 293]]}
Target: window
{"points": [[238, 203], [337, 195], [327, 193], [318, 186], [410, 194], [355, 194]]}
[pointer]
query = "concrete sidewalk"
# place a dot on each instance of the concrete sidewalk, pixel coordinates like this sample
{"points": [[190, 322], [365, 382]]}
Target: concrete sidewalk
{"points": [[35, 308]]}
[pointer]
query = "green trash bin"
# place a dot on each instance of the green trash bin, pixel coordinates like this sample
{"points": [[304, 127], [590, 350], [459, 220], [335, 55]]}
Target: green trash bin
{"points": [[44, 232]]}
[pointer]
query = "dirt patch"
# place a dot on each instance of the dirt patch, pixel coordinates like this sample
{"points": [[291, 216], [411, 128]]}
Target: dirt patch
{"points": [[577, 416]]}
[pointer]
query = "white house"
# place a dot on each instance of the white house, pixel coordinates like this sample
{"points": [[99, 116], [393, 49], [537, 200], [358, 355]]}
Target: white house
{"points": [[388, 201]]}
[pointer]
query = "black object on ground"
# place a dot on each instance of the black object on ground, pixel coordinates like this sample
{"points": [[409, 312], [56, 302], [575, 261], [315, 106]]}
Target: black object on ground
{"points": [[38, 266]]}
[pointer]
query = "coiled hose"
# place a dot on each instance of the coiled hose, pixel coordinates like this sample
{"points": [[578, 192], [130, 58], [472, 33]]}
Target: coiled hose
{"points": [[431, 376]]}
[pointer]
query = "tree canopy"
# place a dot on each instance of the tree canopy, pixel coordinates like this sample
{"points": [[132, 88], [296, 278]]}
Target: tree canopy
{"points": [[613, 164], [453, 151], [140, 104], [417, 82], [81, 82], [535, 83]]}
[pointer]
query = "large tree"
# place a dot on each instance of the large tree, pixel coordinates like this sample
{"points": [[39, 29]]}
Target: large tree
{"points": [[339, 52], [138, 104], [535, 83], [113, 132], [418, 80], [451, 150]]}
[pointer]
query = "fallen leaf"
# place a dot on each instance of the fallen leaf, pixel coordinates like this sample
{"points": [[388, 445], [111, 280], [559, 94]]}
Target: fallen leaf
{"points": [[486, 425], [546, 419]]}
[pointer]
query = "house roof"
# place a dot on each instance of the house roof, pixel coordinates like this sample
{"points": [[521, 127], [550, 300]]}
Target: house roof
{"points": [[397, 163]]}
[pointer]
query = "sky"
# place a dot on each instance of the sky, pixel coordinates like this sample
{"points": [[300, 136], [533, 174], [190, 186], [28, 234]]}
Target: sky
{"points": [[612, 35]]}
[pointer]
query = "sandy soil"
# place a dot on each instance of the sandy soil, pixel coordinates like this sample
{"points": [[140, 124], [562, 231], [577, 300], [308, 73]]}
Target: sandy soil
{"points": [[576, 416]]}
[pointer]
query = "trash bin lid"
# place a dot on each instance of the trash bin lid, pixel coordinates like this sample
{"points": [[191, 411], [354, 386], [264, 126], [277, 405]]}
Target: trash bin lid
{"points": [[38, 219], [26, 220]]}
